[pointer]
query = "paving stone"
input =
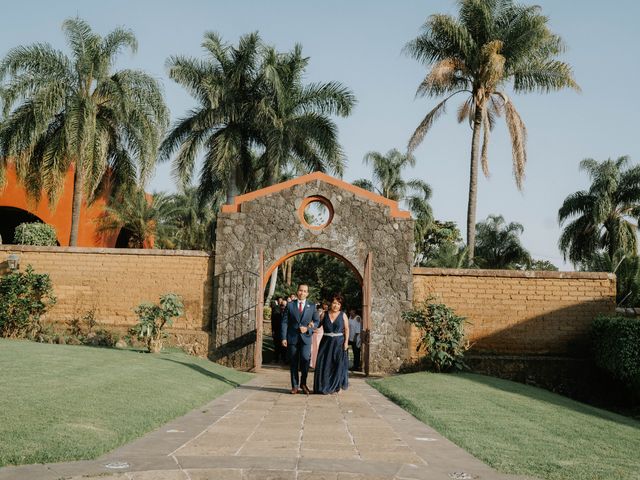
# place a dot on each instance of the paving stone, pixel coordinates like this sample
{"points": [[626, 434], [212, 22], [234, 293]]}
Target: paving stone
{"points": [[159, 475], [317, 476], [215, 474], [258, 474], [254, 434]]}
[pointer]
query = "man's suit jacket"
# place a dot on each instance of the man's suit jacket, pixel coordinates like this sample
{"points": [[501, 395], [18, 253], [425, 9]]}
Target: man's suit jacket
{"points": [[292, 320], [276, 323]]}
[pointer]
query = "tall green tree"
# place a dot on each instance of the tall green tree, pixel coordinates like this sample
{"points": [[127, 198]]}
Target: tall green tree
{"points": [[255, 118], [498, 244], [76, 112], [604, 217], [627, 269], [189, 224], [491, 45], [226, 85], [138, 213], [387, 174], [297, 130], [389, 182], [441, 246]]}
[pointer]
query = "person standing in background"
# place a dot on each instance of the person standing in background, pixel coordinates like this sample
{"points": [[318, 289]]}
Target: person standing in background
{"points": [[355, 337], [279, 354]]}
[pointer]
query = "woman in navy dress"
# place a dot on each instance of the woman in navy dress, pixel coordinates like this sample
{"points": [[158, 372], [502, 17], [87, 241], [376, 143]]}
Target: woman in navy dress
{"points": [[332, 365]]}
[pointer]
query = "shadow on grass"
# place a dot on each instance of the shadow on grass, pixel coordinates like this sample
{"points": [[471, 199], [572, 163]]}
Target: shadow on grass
{"points": [[548, 397], [205, 372]]}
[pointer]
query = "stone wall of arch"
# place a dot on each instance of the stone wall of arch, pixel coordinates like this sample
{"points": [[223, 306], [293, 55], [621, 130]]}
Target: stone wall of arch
{"points": [[269, 222]]}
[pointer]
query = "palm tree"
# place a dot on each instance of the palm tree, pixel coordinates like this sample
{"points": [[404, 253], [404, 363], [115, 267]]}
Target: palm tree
{"points": [[190, 225], [227, 87], [74, 112], [448, 255], [387, 173], [388, 182], [492, 43], [298, 132], [440, 246], [604, 215], [138, 213], [498, 244], [255, 117], [627, 270]]}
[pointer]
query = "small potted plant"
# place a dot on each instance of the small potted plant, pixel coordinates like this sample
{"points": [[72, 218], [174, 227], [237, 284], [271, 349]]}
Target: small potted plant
{"points": [[152, 319]]}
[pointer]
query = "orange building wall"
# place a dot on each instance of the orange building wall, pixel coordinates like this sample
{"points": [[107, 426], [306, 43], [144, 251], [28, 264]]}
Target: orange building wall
{"points": [[59, 217]]}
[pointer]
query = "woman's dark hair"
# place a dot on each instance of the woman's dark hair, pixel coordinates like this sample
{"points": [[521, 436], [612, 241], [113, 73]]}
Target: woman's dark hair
{"points": [[339, 298]]}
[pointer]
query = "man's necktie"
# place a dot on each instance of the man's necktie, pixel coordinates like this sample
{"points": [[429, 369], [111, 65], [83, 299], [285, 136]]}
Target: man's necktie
{"points": [[300, 305]]}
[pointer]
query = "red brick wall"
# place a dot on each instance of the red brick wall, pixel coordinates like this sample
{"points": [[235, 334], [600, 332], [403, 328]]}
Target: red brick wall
{"points": [[515, 312]]}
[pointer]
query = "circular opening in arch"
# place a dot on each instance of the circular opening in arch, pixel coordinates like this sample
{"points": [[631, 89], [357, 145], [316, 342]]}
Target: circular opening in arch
{"points": [[316, 212]]}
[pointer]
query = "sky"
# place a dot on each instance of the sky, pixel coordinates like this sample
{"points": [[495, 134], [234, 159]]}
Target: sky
{"points": [[359, 43]]}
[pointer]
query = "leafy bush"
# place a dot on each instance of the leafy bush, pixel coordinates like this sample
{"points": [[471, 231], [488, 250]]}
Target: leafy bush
{"points": [[154, 318], [442, 335], [35, 234], [81, 332], [24, 298], [616, 347]]}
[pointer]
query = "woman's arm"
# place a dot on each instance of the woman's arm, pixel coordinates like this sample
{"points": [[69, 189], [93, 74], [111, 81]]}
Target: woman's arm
{"points": [[346, 331]]}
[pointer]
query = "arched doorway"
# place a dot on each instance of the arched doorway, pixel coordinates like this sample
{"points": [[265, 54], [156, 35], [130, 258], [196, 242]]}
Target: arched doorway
{"points": [[311, 213], [325, 272], [10, 218]]}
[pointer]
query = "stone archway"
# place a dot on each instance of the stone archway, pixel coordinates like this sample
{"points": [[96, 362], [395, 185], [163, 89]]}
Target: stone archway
{"points": [[280, 261], [368, 231], [363, 305]]}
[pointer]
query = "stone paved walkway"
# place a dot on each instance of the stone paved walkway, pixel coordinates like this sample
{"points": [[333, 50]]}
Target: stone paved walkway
{"points": [[259, 431]]}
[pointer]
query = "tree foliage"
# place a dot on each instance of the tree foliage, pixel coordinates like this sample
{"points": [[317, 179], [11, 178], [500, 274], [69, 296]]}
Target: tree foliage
{"points": [[255, 117], [441, 335], [498, 244], [24, 298], [491, 45], [388, 182], [325, 275], [75, 112], [35, 233], [604, 217]]}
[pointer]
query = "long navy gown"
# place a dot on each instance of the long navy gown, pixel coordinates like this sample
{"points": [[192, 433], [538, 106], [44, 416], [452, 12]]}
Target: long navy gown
{"points": [[332, 364]]}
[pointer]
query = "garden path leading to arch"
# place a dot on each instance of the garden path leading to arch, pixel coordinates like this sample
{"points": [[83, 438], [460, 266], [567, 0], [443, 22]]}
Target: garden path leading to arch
{"points": [[260, 431]]}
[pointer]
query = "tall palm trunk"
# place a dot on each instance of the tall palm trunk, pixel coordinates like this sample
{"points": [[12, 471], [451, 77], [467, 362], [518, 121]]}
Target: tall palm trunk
{"points": [[289, 272], [78, 187], [473, 182], [234, 182], [272, 286]]}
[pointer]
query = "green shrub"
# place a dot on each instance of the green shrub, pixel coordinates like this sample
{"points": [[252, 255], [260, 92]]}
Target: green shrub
{"points": [[152, 319], [442, 335], [81, 331], [24, 298], [616, 347], [35, 234]]}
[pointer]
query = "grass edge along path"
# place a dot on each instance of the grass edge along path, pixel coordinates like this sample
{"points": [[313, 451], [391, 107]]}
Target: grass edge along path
{"points": [[520, 429], [63, 403]]}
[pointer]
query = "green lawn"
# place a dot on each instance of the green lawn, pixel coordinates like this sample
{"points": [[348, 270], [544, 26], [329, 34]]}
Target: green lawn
{"points": [[61, 402], [521, 429]]}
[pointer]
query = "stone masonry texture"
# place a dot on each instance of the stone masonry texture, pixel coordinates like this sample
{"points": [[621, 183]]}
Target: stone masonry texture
{"points": [[360, 225]]}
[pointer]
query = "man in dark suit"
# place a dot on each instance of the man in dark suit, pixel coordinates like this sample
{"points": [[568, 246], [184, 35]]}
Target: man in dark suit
{"points": [[277, 311], [298, 322]]}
